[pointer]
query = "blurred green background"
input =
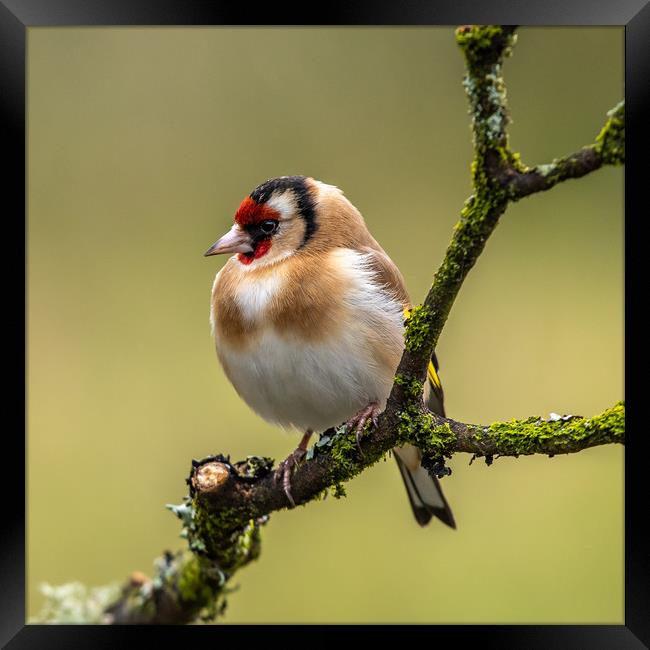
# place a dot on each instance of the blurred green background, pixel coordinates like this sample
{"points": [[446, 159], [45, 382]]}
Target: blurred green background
{"points": [[142, 143]]}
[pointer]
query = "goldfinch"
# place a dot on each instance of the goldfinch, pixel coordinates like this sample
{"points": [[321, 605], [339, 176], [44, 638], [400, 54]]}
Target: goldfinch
{"points": [[308, 321]]}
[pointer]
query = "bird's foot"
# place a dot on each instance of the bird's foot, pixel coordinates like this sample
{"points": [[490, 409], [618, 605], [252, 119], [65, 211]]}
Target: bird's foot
{"points": [[288, 466], [370, 412], [286, 469]]}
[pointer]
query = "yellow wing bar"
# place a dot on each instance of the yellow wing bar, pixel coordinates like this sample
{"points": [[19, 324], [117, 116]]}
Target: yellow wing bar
{"points": [[432, 375]]}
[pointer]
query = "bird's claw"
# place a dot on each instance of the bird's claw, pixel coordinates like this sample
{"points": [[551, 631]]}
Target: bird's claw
{"points": [[370, 412], [286, 469]]}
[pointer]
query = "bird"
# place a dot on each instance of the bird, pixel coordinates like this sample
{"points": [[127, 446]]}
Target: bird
{"points": [[308, 316]]}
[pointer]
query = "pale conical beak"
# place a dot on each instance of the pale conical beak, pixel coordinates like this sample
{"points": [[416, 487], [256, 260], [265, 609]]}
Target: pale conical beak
{"points": [[236, 240]]}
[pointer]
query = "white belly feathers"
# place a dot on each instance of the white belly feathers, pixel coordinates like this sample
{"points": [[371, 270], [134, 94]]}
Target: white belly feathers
{"points": [[316, 384]]}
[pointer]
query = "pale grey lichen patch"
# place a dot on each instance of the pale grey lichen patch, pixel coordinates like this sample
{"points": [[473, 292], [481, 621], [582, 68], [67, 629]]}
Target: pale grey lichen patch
{"points": [[494, 125], [73, 602], [545, 170]]}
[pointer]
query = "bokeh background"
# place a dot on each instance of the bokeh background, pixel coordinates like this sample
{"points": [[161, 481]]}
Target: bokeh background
{"points": [[142, 143]]}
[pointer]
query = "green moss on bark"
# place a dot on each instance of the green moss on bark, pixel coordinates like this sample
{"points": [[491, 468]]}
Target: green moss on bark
{"points": [[610, 143], [220, 536], [198, 581], [416, 424], [343, 452], [418, 328], [483, 43], [557, 435], [412, 388]]}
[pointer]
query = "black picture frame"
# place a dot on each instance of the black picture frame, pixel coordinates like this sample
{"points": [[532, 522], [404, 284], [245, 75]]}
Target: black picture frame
{"points": [[18, 15]]}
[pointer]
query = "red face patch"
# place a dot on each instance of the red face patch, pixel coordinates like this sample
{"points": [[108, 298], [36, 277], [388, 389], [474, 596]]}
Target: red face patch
{"points": [[262, 248], [250, 212]]}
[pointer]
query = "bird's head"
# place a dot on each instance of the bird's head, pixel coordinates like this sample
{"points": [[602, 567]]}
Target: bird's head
{"points": [[277, 219]]}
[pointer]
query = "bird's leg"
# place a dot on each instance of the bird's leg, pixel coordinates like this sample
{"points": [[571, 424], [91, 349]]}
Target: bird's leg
{"points": [[370, 412], [287, 466]]}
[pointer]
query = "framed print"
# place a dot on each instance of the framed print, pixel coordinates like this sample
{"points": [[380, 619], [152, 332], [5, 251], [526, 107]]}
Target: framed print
{"points": [[144, 139]]}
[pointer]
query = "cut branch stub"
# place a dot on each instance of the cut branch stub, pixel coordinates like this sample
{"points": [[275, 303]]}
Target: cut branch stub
{"points": [[211, 477], [223, 526]]}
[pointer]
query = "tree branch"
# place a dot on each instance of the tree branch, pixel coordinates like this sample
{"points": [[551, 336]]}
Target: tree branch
{"points": [[228, 502], [609, 149], [189, 583]]}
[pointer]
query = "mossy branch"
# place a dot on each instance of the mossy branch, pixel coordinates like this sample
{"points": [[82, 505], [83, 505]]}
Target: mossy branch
{"points": [[228, 502], [222, 521], [608, 149], [559, 434]]}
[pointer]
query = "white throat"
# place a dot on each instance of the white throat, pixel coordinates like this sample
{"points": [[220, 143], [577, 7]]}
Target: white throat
{"points": [[254, 295]]}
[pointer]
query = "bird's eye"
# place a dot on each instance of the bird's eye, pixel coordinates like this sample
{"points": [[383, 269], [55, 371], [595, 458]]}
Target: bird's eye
{"points": [[269, 226]]}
